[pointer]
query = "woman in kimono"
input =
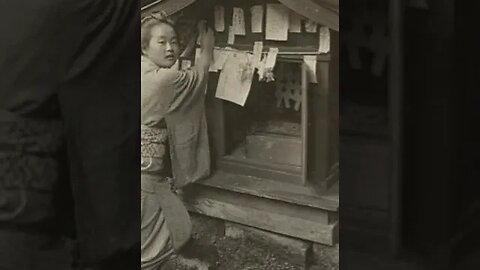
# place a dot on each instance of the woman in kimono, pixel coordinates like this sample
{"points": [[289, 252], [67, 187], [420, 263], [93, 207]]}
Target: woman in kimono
{"points": [[173, 137]]}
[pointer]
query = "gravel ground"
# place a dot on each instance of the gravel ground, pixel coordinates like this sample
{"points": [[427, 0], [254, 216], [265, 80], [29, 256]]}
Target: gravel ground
{"points": [[246, 254], [211, 245], [238, 254], [234, 254]]}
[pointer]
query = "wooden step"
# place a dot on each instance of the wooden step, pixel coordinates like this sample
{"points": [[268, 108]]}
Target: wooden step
{"points": [[266, 208], [270, 189]]}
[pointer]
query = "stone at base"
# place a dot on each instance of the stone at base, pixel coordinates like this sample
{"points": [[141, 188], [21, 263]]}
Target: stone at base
{"points": [[325, 254], [293, 250]]}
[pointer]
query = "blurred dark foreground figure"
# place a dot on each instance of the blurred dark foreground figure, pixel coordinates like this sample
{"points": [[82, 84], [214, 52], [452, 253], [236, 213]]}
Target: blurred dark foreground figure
{"points": [[69, 81]]}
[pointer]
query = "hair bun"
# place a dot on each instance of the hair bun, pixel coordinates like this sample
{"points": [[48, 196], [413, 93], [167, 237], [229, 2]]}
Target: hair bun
{"points": [[160, 16]]}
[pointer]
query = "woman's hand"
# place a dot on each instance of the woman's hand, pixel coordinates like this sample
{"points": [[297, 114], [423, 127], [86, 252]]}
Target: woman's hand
{"points": [[207, 41], [201, 27], [207, 37]]}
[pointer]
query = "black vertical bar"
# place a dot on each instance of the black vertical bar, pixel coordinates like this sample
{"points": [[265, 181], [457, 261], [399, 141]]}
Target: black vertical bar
{"points": [[396, 119], [305, 124]]}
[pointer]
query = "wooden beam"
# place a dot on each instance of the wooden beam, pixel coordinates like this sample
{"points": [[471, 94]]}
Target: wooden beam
{"points": [[314, 12], [271, 189], [330, 4], [274, 216], [168, 6], [261, 169]]}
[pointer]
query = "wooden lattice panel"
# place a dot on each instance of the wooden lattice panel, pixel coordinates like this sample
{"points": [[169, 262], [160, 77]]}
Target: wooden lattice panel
{"points": [[288, 85]]}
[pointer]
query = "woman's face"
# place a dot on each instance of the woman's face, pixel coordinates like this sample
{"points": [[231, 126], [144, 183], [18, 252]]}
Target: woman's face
{"points": [[163, 48]]}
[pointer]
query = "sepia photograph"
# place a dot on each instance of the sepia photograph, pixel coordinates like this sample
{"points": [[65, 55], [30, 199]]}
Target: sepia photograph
{"points": [[240, 118], [239, 135]]}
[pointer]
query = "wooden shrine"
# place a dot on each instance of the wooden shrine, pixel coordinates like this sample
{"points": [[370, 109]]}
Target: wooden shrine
{"points": [[274, 153]]}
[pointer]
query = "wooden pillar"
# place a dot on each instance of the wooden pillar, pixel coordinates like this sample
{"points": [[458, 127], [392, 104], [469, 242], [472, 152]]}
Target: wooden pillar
{"points": [[430, 185], [396, 96]]}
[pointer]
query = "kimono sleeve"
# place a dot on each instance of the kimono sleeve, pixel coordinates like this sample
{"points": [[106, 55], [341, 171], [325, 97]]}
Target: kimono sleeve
{"points": [[187, 86], [165, 90]]}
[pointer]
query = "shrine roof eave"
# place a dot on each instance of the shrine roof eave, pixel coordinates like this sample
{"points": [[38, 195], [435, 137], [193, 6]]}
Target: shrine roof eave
{"points": [[324, 12], [169, 6]]}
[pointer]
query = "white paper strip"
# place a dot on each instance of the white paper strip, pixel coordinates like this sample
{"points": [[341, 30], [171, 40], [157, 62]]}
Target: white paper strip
{"points": [[311, 62], [277, 22], [324, 42], [257, 53], [219, 14], [271, 58], [235, 80], [295, 23], [231, 35], [219, 58], [238, 21], [257, 18]]}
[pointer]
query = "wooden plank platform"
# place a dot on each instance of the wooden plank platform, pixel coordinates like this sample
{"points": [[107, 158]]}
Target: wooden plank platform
{"points": [[262, 170], [291, 210], [270, 215], [266, 188]]}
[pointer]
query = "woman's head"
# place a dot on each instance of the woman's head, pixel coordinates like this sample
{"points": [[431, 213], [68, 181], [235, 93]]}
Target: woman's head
{"points": [[159, 40]]}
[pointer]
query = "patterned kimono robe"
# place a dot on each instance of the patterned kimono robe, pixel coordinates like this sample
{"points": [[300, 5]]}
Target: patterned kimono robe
{"points": [[177, 99]]}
